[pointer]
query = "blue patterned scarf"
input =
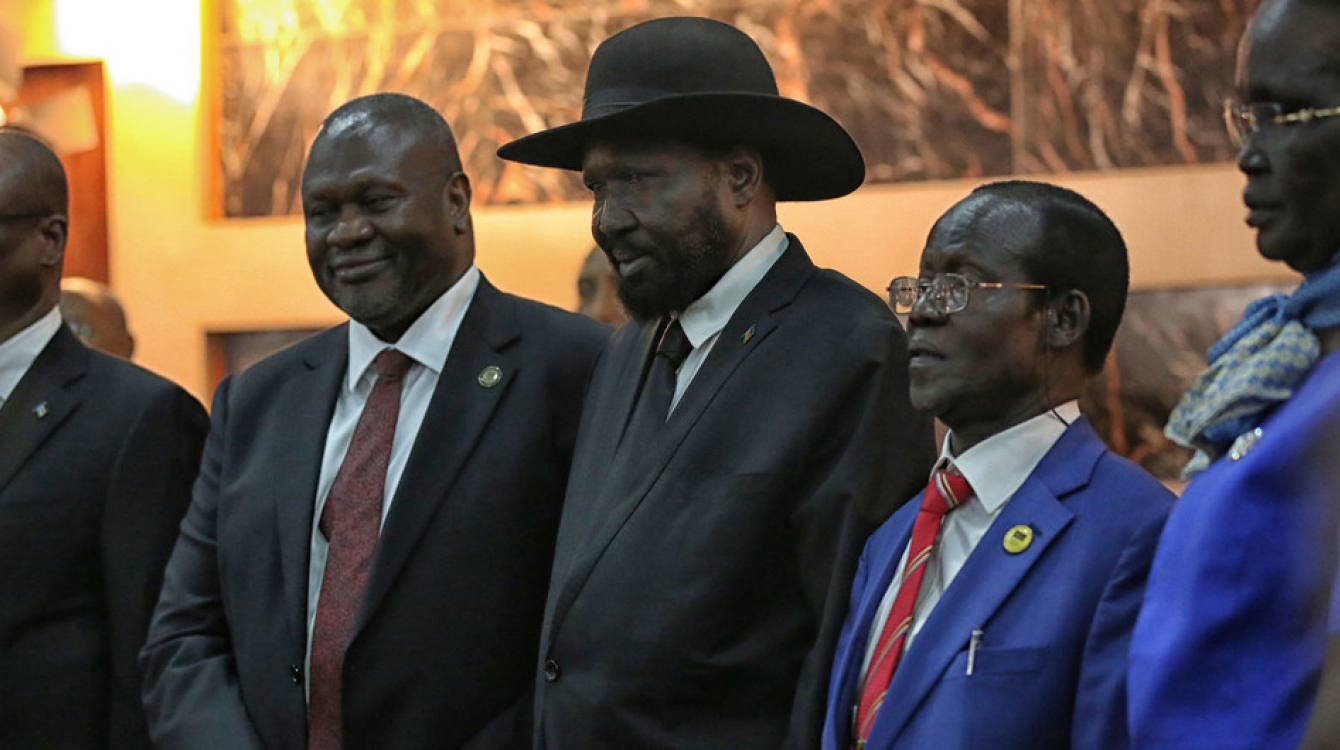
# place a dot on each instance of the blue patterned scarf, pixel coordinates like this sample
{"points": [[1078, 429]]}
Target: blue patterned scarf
{"points": [[1255, 367]]}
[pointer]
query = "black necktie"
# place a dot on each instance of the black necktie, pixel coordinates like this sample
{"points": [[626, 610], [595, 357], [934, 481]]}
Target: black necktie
{"points": [[653, 406]]}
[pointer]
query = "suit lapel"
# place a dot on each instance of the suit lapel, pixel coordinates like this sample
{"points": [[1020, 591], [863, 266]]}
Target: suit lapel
{"points": [[989, 576], [607, 413], [460, 410], [629, 384], [41, 401], [306, 401], [635, 469]]}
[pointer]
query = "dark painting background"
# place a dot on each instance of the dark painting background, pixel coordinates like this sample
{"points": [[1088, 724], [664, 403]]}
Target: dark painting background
{"points": [[930, 89]]}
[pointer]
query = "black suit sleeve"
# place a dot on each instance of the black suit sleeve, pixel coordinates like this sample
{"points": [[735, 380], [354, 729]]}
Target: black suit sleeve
{"points": [[191, 691], [874, 455], [147, 494]]}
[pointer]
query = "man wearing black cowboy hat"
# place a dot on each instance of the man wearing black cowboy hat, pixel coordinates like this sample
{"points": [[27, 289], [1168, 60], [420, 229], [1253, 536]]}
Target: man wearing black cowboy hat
{"points": [[740, 435]]}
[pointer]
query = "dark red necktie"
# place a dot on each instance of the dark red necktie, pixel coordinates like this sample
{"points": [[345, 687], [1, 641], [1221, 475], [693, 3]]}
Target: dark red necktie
{"points": [[351, 522], [946, 492]]}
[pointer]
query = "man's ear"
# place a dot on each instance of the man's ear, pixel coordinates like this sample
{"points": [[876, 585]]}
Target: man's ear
{"points": [[744, 168], [1067, 319], [456, 201], [53, 232]]}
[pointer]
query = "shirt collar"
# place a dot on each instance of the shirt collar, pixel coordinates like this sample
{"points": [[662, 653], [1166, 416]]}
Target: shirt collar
{"points": [[21, 350], [428, 339], [998, 466], [711, 312]]}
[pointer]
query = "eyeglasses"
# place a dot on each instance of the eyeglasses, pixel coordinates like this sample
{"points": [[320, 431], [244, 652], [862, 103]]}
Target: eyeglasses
{"points": [[948, 292], [1245, 120]]}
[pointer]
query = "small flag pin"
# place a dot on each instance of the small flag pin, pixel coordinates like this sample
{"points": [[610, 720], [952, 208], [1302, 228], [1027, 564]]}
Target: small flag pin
{"points": [[1018, 538], [749, 334], [41, 410]]}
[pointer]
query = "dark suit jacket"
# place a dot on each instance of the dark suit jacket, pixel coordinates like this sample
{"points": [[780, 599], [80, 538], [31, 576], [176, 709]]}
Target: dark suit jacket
{"points": [[1056, 618], [444, 648], [97, 457], [699, 581]]}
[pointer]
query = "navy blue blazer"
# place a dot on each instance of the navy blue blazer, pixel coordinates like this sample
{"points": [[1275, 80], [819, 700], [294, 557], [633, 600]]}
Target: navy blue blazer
{"points": [[443, 646], [97, 457], [700, 575], [1056, 618]]}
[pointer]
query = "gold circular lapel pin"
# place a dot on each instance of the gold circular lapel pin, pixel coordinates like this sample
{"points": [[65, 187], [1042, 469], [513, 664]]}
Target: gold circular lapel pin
{"points": [[490, 376], [1018, 538]]}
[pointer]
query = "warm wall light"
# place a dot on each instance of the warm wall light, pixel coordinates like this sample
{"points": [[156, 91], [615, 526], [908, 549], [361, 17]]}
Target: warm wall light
{"points": [[155, 43]]}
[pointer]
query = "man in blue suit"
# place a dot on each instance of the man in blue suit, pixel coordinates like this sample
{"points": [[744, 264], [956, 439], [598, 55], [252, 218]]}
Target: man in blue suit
{"points": [[995, 610]]}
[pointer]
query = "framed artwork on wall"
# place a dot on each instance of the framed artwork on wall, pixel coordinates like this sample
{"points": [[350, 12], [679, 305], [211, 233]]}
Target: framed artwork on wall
{"points": [[929, 90]]}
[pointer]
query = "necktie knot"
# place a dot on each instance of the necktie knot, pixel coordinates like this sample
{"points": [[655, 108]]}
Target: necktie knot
{"points": [[392, 364], [675, 345], [946, 491]]}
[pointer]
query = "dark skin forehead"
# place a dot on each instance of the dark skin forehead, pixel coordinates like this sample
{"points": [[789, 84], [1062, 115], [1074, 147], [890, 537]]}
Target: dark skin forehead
{"points": [[605, 158], [385, 160], [985, 235], [372, 146], [1291, 49], [31, 177], [386, 126]]}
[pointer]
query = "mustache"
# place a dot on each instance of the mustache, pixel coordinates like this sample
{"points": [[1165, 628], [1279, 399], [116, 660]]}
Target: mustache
{"points": [[622, 251]]}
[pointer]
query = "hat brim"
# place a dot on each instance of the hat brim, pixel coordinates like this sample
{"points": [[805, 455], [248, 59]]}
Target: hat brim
{"points": [[807, 155]]}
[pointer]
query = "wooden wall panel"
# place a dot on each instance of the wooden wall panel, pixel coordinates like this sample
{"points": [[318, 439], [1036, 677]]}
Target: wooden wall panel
{"points": [[86, 252]]}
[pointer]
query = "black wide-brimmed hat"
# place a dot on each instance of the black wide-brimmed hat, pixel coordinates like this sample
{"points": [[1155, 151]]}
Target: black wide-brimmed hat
{"points": [[705, 82]]}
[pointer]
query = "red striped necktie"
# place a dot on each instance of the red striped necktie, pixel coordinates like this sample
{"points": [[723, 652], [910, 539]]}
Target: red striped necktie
{"points": [[945, 492]]}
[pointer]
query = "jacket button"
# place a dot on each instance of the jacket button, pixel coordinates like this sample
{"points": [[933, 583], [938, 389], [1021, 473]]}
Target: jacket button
{"points": [[551, 670], [295, 673]]}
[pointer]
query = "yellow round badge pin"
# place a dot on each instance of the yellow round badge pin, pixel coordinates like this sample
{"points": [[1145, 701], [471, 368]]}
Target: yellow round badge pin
{"points": [[1018, 538], [490, 376]]}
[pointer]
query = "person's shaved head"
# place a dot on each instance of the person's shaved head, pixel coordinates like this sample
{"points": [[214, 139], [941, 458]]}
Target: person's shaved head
{"points": [[31, 162], [367, 113], [34, 202]]}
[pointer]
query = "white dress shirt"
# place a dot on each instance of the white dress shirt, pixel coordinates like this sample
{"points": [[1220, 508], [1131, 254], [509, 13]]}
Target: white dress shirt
{"points": [[427, 342], [995, 469], [20, 351], [708, 315]]}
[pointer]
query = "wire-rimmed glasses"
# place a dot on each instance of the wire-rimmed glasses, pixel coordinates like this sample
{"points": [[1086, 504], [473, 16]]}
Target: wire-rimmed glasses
{"points": [[948, 292], [1245, 120]]}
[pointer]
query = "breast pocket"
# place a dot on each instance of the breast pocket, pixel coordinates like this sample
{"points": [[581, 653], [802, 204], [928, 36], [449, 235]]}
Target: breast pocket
{"points": [[1008, 695]]}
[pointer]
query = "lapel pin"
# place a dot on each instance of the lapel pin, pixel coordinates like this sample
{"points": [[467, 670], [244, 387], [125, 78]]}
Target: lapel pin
{"points": [[749, 334], [1018, 538], [1243, 445], [41, 410], [490, 376]]}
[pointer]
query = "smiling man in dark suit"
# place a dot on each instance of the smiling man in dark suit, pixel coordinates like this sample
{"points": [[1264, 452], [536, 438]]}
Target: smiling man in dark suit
{"points": [[97, 457], [739, 434], [365, 558]]}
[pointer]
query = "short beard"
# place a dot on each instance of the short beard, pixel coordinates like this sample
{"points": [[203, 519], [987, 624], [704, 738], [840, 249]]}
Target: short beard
{"points": [[690, 266]]}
